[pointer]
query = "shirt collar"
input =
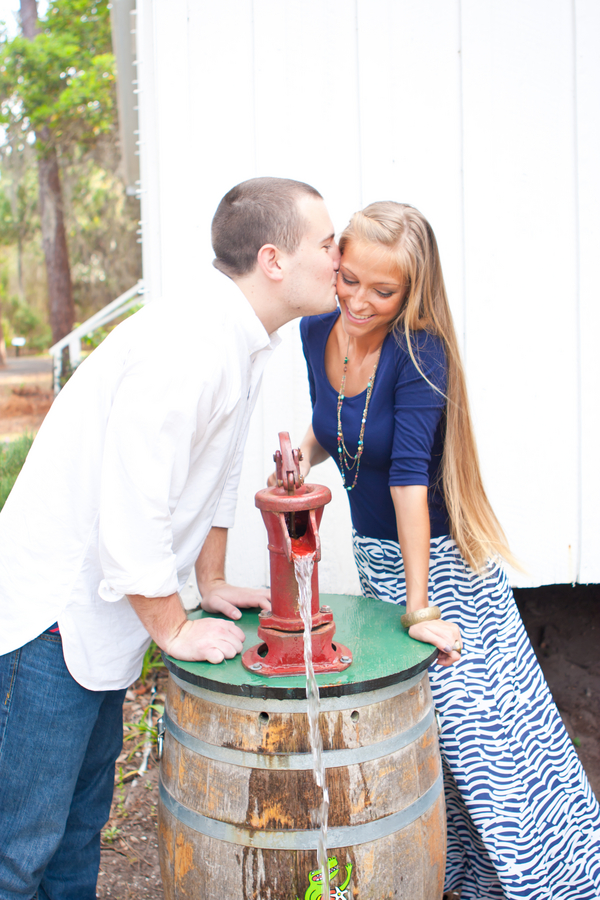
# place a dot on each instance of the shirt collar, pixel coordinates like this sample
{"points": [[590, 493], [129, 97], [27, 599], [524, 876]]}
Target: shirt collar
{"points": [[242, 315]]}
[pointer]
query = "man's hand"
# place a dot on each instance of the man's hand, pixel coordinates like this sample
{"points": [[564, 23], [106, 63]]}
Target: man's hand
{"points": [[206, 639], [228, 600], [165, 619]]}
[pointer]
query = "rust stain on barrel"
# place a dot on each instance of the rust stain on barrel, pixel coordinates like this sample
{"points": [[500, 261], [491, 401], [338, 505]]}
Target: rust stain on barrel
{"points": [[184, 857]]}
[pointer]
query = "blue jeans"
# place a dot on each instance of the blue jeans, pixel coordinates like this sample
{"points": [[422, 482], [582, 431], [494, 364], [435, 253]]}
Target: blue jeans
{"points": [[58, 747]]}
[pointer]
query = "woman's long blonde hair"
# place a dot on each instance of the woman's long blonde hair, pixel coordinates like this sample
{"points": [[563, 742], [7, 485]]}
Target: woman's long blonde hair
{"points": [[408, 237]]}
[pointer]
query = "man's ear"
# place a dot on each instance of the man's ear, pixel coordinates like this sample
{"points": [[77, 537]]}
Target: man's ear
{"points": [[269, 261]]}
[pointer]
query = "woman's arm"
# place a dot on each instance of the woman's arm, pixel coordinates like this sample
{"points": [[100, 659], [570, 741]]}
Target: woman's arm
{"points": [[412, 518], [312, 452]]}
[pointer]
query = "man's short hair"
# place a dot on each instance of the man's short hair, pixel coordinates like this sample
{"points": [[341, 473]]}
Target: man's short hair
{"points": [[254, 213]]}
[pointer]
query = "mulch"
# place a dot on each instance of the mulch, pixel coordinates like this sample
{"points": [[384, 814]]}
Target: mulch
{"points": [[129, 867]]}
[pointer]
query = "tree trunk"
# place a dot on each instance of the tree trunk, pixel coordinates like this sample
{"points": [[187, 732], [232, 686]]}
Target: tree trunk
{"points": [[54, 238], [29, 18], [54, 242]]}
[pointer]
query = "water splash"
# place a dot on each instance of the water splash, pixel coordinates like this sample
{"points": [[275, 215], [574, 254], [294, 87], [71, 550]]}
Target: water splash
{"points": [[303, 566]]}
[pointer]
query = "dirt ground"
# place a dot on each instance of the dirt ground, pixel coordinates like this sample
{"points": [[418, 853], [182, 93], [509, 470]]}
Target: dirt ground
{"points": [[129, 868], [25, 395], [563, 623]]}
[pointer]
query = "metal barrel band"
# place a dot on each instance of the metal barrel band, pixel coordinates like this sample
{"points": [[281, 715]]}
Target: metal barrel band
{"points": [[343, 836], [327, 704], [332, 758]]}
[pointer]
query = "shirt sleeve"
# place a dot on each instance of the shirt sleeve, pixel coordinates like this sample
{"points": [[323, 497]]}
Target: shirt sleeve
{"points": [[419, 404], [146, 462], [305, 335]]}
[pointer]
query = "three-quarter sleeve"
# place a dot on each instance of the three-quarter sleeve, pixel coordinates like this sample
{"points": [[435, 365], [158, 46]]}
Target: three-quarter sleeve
{"points": [[419, 404], [305, 335]]}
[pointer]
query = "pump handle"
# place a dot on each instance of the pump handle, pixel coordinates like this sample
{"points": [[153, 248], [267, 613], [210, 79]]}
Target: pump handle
{"points": [[287, 464]]}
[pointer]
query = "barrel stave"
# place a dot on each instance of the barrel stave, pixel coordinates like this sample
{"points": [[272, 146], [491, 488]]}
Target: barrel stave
{"points": [[284, 798], [273, 732], [407, 865]]}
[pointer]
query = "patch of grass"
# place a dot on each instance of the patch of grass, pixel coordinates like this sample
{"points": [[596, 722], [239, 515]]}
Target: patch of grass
{"points": [[111, 833], [12, 457], [142, 731], [152, 660]]}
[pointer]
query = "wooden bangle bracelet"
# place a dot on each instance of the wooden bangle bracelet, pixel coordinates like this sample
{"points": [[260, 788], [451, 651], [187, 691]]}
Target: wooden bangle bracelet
{"points": [[420, 615]]}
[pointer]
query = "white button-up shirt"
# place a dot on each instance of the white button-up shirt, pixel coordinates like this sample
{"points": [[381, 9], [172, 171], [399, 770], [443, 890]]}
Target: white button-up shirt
{"points": [[139, 456]]}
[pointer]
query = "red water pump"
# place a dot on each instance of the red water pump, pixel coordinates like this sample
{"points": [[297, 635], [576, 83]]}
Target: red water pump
{"points": [[292, 513]]}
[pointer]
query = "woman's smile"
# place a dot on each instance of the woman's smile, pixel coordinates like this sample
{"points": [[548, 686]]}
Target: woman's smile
{"points": [[355, 317]]}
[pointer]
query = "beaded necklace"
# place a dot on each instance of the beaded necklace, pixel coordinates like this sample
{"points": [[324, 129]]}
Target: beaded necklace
{"points": [[347, 460]]}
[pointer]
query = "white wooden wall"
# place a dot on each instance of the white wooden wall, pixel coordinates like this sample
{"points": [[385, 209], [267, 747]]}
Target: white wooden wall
{"points": [[484, 114]]}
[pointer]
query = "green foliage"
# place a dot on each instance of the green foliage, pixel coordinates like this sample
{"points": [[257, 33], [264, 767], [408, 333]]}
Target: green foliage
{"points": [[111, 833], [152, 661], [12, 457], [19, 219], [23, 321], [59, 91], [142, 731], [61, 84], [102, 233]]}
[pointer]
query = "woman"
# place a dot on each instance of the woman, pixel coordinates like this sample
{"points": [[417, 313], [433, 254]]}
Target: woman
{"points": [[390, 405]]}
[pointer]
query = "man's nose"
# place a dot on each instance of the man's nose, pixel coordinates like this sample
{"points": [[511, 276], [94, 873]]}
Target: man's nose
{"points": [[337, 255]]}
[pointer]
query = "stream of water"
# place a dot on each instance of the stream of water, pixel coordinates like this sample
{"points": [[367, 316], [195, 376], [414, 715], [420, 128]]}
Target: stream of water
{"points": [[303, 566]]}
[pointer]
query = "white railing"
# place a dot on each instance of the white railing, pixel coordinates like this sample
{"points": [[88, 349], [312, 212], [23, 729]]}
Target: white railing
{"points": [[114, 309]]}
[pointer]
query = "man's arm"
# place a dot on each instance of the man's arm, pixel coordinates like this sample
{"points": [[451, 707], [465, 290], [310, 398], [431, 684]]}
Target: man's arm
{"points": [[165, 620], [213, 640], [217, 595]]}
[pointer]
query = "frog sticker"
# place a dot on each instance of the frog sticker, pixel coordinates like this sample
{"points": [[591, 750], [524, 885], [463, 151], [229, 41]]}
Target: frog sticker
{"points": [[314, 890]]}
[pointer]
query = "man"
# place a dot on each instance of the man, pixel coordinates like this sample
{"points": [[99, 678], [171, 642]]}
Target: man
{"points": [[131, 481]]}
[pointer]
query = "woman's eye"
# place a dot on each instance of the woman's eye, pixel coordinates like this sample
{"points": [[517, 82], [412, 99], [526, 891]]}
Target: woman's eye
{"points": [[385, 294], [347, 280]]}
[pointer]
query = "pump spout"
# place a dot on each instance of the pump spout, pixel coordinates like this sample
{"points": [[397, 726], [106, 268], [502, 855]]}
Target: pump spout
{"points": [[300, 532]]}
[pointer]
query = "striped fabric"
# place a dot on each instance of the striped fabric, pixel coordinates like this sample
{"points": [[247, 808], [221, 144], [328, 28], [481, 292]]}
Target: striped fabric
{"points": [[523, 823]]}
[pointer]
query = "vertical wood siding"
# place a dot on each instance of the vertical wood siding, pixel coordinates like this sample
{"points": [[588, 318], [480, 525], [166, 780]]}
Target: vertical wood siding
{"points": [[485, 115]]}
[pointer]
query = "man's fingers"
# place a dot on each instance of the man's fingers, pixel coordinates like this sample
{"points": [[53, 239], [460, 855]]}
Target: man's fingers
{"points": [[260, 598], [215, 632], [207, 639], [227, 598], [219, 604]]}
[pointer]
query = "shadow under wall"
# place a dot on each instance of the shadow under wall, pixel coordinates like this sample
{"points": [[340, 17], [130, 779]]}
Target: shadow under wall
{"points": [[563, 623]]}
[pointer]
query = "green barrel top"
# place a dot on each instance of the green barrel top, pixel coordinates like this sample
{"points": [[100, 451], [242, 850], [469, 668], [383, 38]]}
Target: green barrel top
{"points": [[382, 650]]}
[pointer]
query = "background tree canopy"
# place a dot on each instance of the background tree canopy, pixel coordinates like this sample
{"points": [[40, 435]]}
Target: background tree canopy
{"points": [[58, 108]]}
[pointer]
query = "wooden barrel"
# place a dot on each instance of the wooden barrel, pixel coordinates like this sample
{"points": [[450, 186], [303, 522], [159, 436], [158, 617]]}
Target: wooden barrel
{"points": [[238, 796]]}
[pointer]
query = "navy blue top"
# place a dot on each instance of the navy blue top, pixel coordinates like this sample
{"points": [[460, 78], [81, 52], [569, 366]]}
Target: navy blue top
{"points": [[404, 432]]}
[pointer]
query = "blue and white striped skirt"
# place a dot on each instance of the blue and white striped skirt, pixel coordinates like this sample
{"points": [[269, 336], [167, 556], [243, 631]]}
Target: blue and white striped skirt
{"points": [[523, 823]]}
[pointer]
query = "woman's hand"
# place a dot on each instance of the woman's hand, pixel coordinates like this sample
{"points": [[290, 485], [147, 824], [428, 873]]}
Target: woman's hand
{"points": [[311, 454], [443, 635]]}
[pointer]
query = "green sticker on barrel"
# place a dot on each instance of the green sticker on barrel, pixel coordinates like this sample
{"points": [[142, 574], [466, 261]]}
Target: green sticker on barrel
{"points": [[314, 890]]}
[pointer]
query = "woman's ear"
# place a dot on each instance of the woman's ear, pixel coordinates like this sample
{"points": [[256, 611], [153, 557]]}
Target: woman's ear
{"points": [[269, 259]]}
